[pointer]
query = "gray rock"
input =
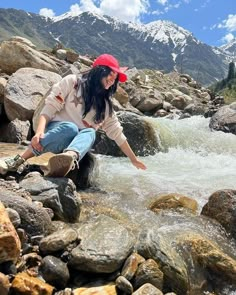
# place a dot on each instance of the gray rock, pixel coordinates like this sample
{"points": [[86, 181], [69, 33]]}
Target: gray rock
{"points": [[15, 55], [140, 134], [54, 271], [24, 90], [16, 131], [104, 246], [221, 206], [59, 194], [14, 217], [224, 119], [153, 245], [34, 220]]}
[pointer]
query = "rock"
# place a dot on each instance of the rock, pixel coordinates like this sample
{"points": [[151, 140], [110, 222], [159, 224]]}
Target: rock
{"points": [[102, 290], [179, 102], [14, 217], [15, 55], [24, 90], [23, 41], [84, 60], [209, 256], [4, 284], [16, 131], [34, 220], [54, 272], [59, 194], [104, 246], [151, 101], [169, 96], [173, 201], [148, 289], [148, 272], [195, 109], [124, 285], [154, 245], [221, 206], [121, 95], [9, 241], [140, 134], [58, 240], [22, 283], [71, 56], [160, 113], [224, 119], [61, 54], [186, 76], [3, 83], [184, 89], [131, 265]]}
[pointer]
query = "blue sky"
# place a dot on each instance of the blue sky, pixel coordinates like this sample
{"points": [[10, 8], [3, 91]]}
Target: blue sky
{"points": [[211, 21]]}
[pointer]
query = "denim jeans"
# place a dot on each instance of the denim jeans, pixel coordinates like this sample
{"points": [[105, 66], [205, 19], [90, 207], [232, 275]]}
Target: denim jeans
{"points": [[65, 136]]}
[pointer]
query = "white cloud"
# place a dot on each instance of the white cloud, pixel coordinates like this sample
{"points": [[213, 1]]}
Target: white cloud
{"points": [[227, 38], [122, 9], [125, 10], [162, 2], [46, 12], [229, 23]]}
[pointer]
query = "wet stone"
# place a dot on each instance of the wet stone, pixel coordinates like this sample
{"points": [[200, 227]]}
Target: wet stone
{"points": [[124, 285], [54, 272]]}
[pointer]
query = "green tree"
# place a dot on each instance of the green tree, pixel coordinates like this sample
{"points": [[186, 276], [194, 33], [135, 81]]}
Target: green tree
{"points": [[231, 71]]}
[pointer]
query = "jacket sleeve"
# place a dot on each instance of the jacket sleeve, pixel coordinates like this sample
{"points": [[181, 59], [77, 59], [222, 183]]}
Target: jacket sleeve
{"points": [[55, 101], [113, 129]]}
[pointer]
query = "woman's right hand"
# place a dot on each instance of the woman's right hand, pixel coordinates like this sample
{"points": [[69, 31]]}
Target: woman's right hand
{"points": [[35, 141]]}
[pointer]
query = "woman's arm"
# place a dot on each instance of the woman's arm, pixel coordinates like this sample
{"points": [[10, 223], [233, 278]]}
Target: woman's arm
{"points": [[43, 121], [126, 149]]}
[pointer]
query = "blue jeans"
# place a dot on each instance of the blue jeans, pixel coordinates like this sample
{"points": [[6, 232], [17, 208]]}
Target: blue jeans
{"points": [[65, 136]]}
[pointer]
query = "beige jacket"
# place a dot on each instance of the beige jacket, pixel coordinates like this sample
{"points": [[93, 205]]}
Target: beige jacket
{"points": [[65, 103]]}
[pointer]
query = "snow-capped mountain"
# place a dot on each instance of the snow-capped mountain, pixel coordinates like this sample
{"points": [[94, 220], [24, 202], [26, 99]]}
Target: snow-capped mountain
{"points": [[160, 45], [230, 47]]}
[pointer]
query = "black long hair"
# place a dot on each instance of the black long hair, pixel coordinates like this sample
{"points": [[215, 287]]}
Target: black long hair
{"points": [[95, 95]]}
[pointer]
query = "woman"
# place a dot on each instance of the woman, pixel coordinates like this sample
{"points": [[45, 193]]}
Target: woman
{"points": [[73, 111]]}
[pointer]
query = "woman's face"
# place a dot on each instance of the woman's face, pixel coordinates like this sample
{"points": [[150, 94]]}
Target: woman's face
{"points": [[109, 80]]}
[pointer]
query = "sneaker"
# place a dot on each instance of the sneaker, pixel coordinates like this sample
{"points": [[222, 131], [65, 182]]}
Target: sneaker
{"points": [[11, 164], [59, 165]]}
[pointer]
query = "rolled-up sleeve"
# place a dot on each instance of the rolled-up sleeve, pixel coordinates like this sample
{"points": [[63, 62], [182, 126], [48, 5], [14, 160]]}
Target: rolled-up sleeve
{"points": [[114, 130], [55, 101]]}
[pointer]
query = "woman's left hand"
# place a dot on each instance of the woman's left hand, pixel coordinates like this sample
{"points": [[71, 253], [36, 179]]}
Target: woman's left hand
{"points": [[138, 164]]}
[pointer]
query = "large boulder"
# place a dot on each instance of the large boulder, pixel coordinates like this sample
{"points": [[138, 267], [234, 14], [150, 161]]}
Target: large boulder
{"points": [[25, 89], [139, 132], [224, 119], [221, 206], [59, 194], [34, 220], [15, 55], [104, 246]]}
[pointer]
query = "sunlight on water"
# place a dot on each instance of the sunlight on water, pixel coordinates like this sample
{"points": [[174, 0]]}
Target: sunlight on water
{"points": [[196, 163]]}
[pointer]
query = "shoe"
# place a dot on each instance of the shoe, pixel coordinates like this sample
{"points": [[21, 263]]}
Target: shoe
{"points": [[59, 165], [11, 164]]}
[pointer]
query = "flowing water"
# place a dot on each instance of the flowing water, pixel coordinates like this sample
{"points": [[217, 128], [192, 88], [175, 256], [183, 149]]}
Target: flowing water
{"points": [[195, 162]]}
